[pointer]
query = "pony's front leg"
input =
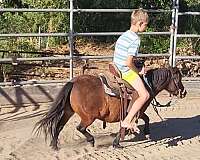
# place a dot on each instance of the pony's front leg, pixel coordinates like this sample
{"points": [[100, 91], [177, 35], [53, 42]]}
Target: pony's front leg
{"points": [[116, 141], [146, 125], [120, 134], [82, 128]]}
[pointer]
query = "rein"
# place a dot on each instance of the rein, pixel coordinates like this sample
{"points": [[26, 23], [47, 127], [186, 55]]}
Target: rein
{"points": [[156, 104]]}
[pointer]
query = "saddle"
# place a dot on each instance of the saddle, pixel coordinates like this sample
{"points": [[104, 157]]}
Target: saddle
{"points": [[120, 88], [113, 80], [112, 85]]}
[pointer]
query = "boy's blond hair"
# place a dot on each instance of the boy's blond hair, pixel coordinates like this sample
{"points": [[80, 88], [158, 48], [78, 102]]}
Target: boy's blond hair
{"points": [[139, 15]]}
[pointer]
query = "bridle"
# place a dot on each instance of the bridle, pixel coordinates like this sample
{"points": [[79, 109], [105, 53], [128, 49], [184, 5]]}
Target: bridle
{"points": [[155, 103], [181, 92]]}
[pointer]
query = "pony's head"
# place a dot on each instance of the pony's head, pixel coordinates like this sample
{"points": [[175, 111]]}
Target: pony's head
{"points": [[175, 86]]}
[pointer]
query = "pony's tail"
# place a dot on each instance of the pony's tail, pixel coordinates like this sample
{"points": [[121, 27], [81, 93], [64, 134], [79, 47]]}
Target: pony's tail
{"points": [[49, 123]]}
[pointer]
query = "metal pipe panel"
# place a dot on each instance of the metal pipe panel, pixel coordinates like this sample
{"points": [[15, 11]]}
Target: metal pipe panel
{"points": [[188, 35], [34, 35], [187, 57], [75, 34], [76, 10], [189, 13], [120, 10], [33, 10], [32, 82], [75, 58], [119, 33], [71, 39]]}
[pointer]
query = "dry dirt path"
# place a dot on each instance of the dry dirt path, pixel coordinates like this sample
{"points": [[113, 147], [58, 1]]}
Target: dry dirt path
{"points": [[177, 138]]}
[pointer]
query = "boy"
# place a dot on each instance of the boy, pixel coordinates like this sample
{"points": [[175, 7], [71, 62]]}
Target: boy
{"points": [[126, 51]]}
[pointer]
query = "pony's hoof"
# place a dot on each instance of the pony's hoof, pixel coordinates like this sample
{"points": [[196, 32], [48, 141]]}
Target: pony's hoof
{"points": [[91, 144], [55, 148], [148, 137], [117, 146]]}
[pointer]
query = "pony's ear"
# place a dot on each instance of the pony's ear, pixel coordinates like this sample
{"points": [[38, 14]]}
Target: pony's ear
{"points": [[174, 69]]}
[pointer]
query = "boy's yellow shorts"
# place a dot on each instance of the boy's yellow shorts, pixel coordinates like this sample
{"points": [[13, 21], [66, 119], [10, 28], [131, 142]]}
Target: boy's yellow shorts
{"points": [[130, 76]]}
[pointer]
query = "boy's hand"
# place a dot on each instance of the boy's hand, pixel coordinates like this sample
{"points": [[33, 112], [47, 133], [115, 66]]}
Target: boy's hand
{"points": [[143, 71]]}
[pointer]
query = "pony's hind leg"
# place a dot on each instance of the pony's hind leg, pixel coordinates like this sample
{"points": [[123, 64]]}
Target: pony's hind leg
{"points": [[59, 127], [82, 128]]}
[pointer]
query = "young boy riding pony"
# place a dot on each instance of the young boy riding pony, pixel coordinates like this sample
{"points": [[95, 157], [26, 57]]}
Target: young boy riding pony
{"points": [[125, 56]]}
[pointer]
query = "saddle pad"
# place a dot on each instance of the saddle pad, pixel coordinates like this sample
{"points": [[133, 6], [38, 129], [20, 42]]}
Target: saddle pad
{"points": [[109, 86]]}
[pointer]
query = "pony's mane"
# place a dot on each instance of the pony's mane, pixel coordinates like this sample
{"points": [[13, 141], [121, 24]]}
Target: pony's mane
{"points": [[158, 76]]}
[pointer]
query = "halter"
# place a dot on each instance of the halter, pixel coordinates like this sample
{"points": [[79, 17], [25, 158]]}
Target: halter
{"points": [[181, 93]]}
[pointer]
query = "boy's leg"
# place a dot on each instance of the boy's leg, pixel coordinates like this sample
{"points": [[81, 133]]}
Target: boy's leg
{"points": [[139, 102]]}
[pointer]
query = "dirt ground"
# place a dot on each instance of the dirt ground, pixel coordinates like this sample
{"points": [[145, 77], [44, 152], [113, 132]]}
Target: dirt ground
{"points": [[177, 138]]}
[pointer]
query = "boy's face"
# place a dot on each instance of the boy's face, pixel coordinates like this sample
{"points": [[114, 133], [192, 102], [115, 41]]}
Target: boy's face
{"points": [[142, 26]]}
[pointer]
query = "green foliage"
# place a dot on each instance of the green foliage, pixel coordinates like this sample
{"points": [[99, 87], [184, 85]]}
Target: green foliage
{"points": [[192, 3], [155, 44], [30, 22], [120, 22], [102, 22]]}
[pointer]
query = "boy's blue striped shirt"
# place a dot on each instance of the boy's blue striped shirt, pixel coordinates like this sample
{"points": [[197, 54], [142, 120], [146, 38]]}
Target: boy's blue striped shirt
{"points": [[127, 44]]}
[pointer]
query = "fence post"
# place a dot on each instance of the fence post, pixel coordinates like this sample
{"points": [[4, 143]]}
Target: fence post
{"points": [[172, 29], [175, 34], [71, 32]]}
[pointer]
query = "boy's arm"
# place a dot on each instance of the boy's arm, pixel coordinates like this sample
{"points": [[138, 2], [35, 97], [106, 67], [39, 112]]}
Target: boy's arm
{"points": [[130, 63], [132, 52]]}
